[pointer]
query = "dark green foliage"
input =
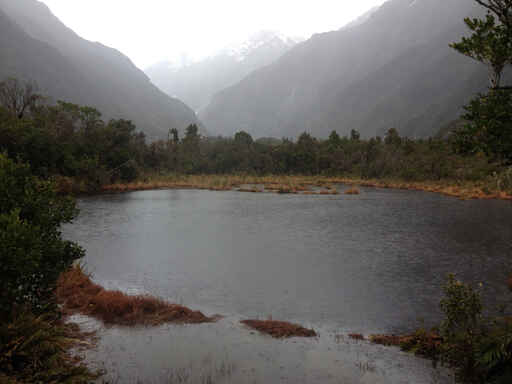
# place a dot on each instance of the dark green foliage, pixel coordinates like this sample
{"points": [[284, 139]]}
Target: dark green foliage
{"points": [[494, 353], [462, 329], [490, 43], [490, 115], [479, 349], [32, 254], [74, 143], [395, 157], [490, 126], [243, 139]]}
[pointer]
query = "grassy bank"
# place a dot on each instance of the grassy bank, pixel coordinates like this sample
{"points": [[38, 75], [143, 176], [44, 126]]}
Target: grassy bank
{"points": [[485, 189], [78, 294]]}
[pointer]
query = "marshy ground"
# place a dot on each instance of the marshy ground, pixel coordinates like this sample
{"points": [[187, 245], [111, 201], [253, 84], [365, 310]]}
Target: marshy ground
{"points": [[308, 185], [78, 294]]}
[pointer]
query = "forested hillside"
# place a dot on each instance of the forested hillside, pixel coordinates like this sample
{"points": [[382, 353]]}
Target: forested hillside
{"points": [[394, 70], [41, 48]]}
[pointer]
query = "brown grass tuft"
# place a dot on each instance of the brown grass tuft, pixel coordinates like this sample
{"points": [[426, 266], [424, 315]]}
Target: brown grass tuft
{"points": [[387, 340], [250, 190], [429, 340], [329, 192], [279, 329], [353, 191], [356, 336], [78, 294]]}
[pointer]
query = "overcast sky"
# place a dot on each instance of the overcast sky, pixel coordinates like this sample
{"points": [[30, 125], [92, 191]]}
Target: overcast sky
{"points": [[149, 31]]}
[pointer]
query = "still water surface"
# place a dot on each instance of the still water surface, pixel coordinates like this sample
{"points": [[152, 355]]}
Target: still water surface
{"points": [[369, 263]]}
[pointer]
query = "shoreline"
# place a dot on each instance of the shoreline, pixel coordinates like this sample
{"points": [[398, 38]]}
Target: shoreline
{"points": [[306, 185], [78, 294]]}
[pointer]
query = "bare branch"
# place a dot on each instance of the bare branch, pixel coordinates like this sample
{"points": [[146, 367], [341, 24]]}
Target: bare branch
{"points": [[18, 98], [501, 8]]}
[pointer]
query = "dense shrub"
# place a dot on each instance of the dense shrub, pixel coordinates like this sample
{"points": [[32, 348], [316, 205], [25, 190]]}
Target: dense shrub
{"points": [[489, 127], [479, 349], [33, 253], [462, 329]]}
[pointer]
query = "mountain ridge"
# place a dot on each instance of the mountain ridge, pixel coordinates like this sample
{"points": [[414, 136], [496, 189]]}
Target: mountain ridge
{"points": [[103, 77], [196, 83], [325, 83]]}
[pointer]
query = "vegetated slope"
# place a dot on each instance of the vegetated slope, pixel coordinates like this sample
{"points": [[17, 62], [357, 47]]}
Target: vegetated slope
{"points": [[94, 74], [196, 83], [394, 70], [25, 57]]}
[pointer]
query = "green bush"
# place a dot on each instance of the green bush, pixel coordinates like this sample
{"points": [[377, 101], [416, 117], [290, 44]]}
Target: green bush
{"points": [[490, 126], [33, 253], [462, 329], [479, 349]]}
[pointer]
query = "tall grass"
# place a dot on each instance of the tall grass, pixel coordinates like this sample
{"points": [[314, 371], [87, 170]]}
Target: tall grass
{"points": [[35, 349]]}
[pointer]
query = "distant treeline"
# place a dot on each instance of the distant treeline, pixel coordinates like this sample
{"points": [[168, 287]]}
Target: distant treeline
{"points": [[74, 142]]}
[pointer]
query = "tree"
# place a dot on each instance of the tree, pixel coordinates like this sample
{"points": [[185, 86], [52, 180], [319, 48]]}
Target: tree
{"points": [[392, 137], [191, 149], [501, 8], [334, 140], [243, 138], [173, 133], [18, 97], [306, 156], [355, 135], [490, 43], [490, 116], [490, 128], [192, 135]]}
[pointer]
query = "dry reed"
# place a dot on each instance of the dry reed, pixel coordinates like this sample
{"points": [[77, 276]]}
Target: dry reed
{"points": [[356, 336], [279, 329], [296, 184], [78, 294], [353, 191]]}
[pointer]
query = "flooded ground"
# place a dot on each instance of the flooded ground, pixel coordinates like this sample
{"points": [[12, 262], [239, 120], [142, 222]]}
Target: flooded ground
{"points": [[370, 263]]}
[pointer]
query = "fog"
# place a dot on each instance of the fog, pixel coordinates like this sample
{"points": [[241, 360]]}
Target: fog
{"points": [[150, 31]]}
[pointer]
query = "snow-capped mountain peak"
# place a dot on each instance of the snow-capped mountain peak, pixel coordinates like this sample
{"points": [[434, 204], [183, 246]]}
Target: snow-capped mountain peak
{"points": [[266, 39]]}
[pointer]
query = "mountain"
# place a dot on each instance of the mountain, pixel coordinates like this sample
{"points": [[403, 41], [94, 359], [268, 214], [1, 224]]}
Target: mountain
{"points": [[394, 69], [362, 19], [37, 46], [23, 56], [196, 83]]}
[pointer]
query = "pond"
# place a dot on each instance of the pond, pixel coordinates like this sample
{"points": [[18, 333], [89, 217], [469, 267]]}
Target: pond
{"points": [[369, 263]]}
